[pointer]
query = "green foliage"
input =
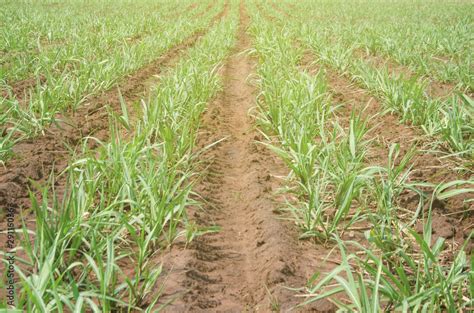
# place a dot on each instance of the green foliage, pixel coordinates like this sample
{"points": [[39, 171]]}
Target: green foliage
{"points": [[125, 199]]}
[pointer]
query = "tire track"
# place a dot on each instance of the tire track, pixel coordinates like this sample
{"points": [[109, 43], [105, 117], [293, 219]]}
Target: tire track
{"points": [[41, 156], [246, 265]]}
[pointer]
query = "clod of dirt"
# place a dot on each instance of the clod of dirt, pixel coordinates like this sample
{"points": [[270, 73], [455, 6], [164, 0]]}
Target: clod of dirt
{"points": [[442, 226]]}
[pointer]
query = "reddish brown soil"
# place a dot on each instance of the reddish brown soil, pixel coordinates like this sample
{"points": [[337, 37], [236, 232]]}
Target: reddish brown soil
{"points": [[435, 88], [386, 130], [21, 89], [267, 14], [209, 7], [246, 265], [191, 7], [256, 254], [279, 9], [38, 158], [453, 217]]}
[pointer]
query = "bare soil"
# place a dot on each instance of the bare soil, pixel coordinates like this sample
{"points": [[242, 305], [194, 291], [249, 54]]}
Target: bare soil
{"points": [[39, 158], [21, 89], [279, 9], [452, 218], [449, 221], [36, 158], [247, 264], [435, 88]]}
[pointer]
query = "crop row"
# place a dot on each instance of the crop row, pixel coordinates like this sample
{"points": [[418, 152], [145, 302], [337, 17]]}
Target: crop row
{"points": [[28, 34], [67, 76], [394, 267], [448, 120], [92, 247], [433, 40]]}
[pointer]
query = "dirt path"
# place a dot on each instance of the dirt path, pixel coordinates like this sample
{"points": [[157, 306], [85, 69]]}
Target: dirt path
{"points": [[244, 266]]}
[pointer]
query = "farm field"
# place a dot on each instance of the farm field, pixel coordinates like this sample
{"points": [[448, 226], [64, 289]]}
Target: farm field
{"points": [[236, 156]]}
